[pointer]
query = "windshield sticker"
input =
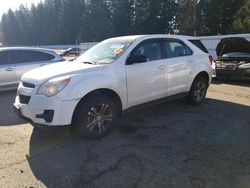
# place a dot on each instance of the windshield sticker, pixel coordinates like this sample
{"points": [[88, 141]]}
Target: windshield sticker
{"points": [[117, 51], [117, 46]]}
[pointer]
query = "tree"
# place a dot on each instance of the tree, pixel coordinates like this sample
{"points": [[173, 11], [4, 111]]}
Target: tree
{"points": [[52, 10], [207, 17], [72, 21], [122, 15], [71, 15], [97, 23], [186, 16], [217, 16], [22, 17], [154, 16], [241, 23], [11, 29]]}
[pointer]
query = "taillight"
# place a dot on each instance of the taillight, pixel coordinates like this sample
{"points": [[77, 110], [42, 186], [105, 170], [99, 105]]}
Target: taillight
{"points": [[211, 59]]}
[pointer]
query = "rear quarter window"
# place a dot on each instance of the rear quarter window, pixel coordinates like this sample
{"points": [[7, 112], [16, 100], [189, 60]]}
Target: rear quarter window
{"points": [[199, 44]]}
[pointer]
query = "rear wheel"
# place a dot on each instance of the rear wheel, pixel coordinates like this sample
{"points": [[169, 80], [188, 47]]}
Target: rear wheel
{"points": [[198, 90], [94, 118]]}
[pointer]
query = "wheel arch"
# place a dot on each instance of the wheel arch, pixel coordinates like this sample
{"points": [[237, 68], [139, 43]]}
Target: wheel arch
{"points": [[204, 74], [103, 91]]}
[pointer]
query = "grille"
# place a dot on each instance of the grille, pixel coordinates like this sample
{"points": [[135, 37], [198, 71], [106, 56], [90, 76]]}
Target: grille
{"points": [[24, 99], [28, 85], [227, 66]]}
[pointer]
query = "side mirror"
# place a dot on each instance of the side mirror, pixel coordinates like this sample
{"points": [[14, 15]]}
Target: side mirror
{"points": [[136, 59]]}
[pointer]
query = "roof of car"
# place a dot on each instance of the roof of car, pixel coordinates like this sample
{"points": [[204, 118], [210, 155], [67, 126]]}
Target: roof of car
{"points": [[26, 48], [134, 37]]}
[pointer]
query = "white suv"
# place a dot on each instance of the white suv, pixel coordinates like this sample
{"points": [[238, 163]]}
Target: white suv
{"points": [[116, 75]]}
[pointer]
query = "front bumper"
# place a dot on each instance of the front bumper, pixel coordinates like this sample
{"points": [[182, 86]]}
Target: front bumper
{"points": [[46, 111], [40, 126]]}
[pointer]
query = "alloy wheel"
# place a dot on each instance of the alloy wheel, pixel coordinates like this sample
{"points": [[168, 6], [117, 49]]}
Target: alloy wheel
{"points": [[99, 118], [199, 91]]}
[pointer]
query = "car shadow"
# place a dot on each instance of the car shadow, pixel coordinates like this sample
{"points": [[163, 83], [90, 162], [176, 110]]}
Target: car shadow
{"points": [[217, 81], [180, 141], [7, 115]]}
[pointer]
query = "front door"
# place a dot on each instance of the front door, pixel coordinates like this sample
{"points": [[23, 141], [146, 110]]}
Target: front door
{"points": [[180, 59], [146, 81], [7, 72]]}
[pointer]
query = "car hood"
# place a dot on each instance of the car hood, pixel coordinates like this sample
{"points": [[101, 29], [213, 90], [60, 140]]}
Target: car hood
{"points": [[39, 75], [232, 44]]}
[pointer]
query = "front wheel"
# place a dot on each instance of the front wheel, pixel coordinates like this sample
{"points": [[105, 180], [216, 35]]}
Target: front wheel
{"points": [[94, 118], [198, 90]]}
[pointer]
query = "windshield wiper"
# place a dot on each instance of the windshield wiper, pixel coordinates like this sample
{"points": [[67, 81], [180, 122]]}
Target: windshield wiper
{"points": [[90, 62]]}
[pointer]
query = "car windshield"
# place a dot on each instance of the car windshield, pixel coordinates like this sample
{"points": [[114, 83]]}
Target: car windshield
{"points": [[105, 52], [236, 54]]}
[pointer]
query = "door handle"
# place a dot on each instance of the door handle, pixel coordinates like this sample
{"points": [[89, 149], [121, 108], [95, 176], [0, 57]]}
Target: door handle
{"points": [[189, 61], [9, 69], [162, 67]]}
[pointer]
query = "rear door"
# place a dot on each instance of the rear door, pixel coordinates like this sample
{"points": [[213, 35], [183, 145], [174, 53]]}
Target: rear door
{"points": [[7, 71], [180, 59]]}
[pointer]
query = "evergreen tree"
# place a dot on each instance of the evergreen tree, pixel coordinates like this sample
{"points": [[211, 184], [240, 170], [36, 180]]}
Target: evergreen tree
{"points": [[11, 29], [22, 17], [71, 16], [241, 23], [97, 23], [218, 16], [187, 16], [154, 16], [74, 21], [122, 17]]}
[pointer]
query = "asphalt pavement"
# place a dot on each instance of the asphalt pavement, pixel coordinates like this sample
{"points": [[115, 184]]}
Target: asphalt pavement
{"points": [[169, 145]]}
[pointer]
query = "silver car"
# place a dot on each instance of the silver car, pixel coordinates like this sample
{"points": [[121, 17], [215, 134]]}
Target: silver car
{"points": [[15, 61]]}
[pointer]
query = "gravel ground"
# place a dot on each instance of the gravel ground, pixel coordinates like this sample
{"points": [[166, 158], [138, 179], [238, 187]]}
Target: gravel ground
{"points": [[169, 145]]}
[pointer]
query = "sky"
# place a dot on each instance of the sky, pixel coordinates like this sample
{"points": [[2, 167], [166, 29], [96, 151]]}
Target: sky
{"points": [[14, 4]]}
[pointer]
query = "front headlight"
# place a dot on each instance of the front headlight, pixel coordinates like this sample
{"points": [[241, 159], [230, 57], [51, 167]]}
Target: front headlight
{"points": [[53, 86], [244, 66]]}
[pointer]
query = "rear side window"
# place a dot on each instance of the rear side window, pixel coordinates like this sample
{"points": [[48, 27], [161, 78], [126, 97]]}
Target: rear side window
{"points": [[176, 49], [3, 58], [40, 56], [199, 44]]}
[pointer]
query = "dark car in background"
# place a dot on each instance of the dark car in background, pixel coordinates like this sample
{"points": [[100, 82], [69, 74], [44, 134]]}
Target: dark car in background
{"points": [[15, 61], [233, 61], [71, 51]]}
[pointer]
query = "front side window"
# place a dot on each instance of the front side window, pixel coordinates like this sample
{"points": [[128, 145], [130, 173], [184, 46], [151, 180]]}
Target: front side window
{"points": [[16, 56], [105, 52], [176, 49], [151, 50]]}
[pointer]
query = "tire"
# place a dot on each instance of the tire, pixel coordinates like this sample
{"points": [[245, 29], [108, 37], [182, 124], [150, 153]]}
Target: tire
{"points": [[198, 90], [94, 117]]}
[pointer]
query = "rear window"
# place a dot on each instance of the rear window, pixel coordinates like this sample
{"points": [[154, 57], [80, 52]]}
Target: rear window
{"points": [[199, 44]]}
